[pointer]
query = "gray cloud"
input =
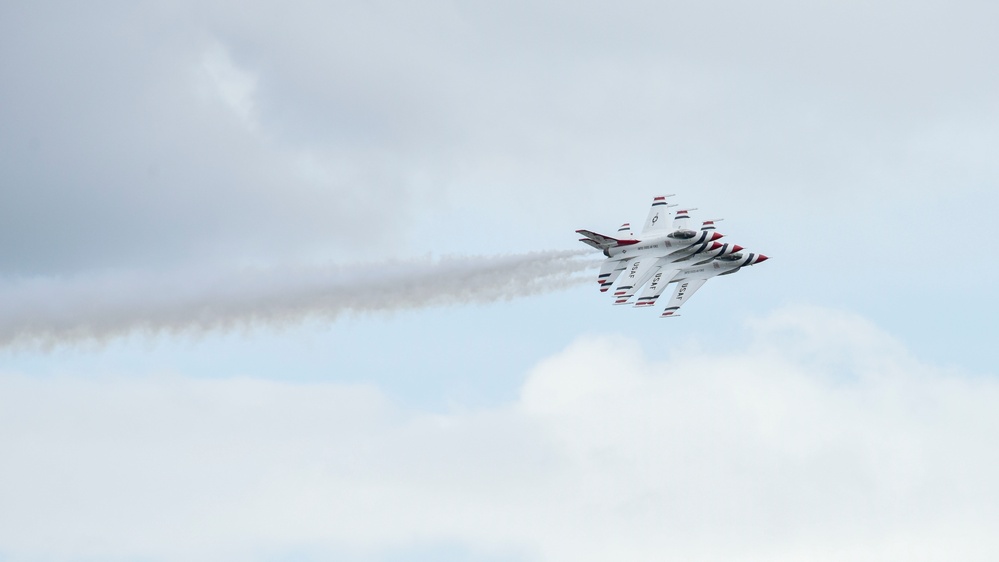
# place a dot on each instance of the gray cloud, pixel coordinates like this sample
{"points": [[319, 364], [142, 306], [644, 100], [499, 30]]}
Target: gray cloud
{"points": [[121, 147]]}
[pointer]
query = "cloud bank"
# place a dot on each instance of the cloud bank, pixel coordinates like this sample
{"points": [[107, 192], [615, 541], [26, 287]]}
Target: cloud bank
{"points": [[170, 131], [51, 311], [821, 439]]}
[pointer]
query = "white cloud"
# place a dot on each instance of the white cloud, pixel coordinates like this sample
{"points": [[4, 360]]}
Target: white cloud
{"points": [[234, 86], [822, 439]]}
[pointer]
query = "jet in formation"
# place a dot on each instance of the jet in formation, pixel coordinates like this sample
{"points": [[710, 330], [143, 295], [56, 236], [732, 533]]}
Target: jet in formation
{"points": [[661, 255]]}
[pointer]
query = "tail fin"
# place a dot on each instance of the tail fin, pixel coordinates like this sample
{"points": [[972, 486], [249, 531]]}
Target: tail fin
{"points": [[657, 215], [681, 219], [710, 224]]}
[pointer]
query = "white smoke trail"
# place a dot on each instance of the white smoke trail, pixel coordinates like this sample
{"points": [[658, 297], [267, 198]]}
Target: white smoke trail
{"points": [[48, 312]]}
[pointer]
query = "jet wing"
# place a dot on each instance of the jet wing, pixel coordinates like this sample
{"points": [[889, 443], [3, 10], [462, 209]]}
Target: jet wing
{"points": [[658, 215], [638, 272], [610, 271], [670, 269], [658, 283], [684, 289]]}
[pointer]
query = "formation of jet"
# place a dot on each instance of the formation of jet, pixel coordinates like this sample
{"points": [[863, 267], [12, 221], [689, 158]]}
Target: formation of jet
{"points": [[664, 254]]}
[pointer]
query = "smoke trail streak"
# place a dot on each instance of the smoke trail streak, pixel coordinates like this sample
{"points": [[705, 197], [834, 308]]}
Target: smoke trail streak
{"points": [[48, 312]]}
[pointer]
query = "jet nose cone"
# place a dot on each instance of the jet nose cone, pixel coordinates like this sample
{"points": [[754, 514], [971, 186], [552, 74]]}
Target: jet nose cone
{"points": [[762, 258], [737, 248], [716, 235], [716, 245]]}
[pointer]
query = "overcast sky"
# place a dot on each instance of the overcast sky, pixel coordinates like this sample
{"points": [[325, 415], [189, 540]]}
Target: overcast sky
{"points": [[180, 181]]}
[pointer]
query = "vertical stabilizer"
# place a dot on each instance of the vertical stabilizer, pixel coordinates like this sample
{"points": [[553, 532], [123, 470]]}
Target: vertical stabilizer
{"points": [[709, 224], [682, 219], [658, 215]]}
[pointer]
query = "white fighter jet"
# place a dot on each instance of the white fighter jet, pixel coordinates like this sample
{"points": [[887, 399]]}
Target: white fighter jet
{"points": [[662, 255]]}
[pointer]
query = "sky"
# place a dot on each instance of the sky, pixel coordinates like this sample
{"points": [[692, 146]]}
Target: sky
{"points": [[300, 281]]}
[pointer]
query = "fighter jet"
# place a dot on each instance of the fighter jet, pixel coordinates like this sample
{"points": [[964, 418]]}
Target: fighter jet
{"points": [[662, 255], [657, 240]]}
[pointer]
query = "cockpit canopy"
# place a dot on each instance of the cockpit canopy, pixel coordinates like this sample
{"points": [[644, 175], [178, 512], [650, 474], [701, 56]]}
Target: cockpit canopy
{"points": [[683, 234]]}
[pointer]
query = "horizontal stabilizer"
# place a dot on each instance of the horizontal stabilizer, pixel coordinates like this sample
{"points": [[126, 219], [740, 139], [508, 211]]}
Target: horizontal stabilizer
{"points": [[603, 242]]}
